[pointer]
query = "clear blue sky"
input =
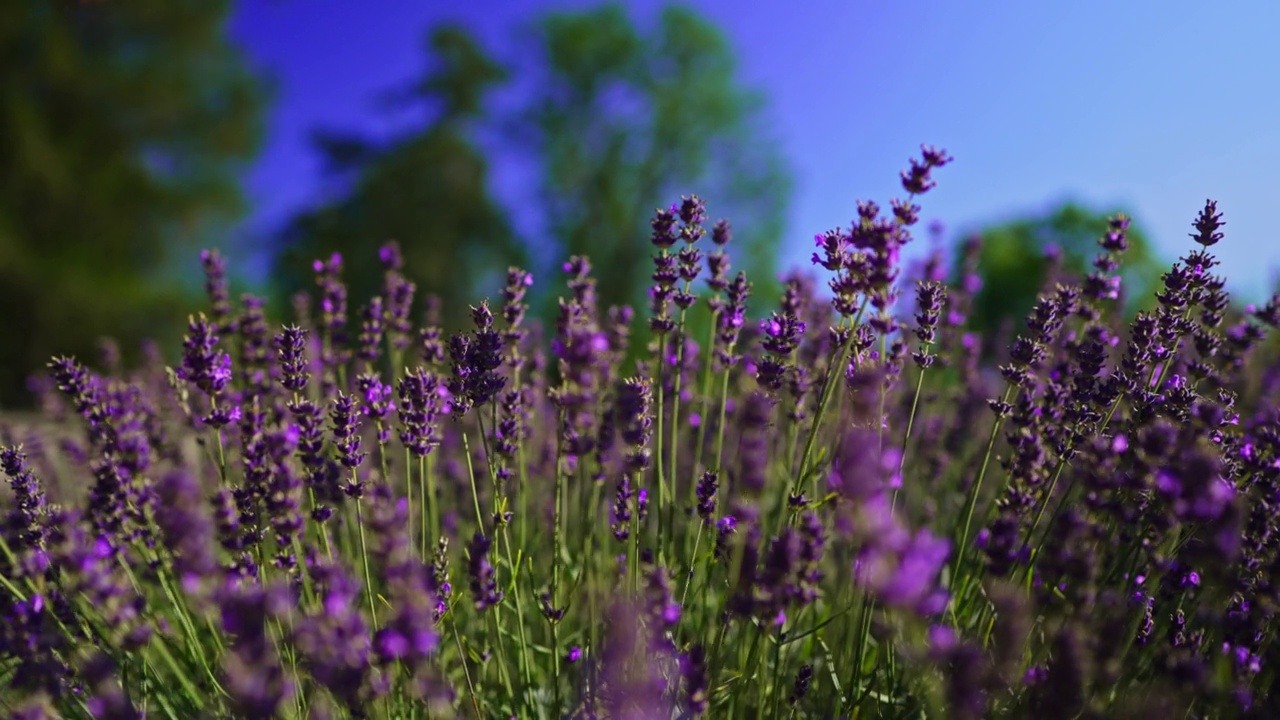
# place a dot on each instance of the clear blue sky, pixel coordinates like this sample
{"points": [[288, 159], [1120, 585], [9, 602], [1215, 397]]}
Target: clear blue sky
{"points": [[1150, 106]]}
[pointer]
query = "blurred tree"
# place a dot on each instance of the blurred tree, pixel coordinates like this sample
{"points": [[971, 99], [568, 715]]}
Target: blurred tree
{"points": [[1014, 263], [611, 121], [623, 120], [122, 128], [426, 188]]}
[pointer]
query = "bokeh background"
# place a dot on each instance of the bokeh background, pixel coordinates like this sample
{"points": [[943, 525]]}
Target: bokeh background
{"points": [[481, 134]]}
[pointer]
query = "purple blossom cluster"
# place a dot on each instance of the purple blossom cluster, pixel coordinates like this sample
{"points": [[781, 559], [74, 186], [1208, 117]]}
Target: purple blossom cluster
{"points": [[844, 506]]}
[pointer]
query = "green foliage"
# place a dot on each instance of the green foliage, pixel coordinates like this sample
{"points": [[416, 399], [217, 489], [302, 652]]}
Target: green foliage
{"points": [[427, 188], [123, 126], [618, 120], [624, 118], [1014, 262]]}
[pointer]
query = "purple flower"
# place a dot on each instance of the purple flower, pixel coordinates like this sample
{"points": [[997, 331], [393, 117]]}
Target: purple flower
{"points": [[904, 574], [929, 299], [484, 581], [189, 533], [399, 294], [633, 415], [663, 610], [333, 319], [291, 344], [215, 285], [706, 492], [253, 676], [346, 431], [27, 519], [107, 700], [726, 527], [370, 331], [474, 359], [622, 505], [334, 643], [91, 569], [1207, 224], [664, 227], [377, 397], [411, 588], [420, 395], [917, 180], [732, 319], [514, 306], [694, 673], [800, 688], [780, 335], [254, 348], [202, 365]]}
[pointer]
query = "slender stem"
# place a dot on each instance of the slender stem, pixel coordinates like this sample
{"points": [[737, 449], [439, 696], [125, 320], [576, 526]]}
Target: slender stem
{"points": [[408, 491], [556, 520], [382, 454], [693, 565], [524, 644], [222, 456], [749, 670], [911, 419], [364, 555], [658, 459], [714, 662], [323, 529], [675, 420], [880, 418], [432, 500], [462, 656], [976, 488], [724, 404], [555, 651], [504, 668], [834, 373], [704, 393], [777, 677], [864, 632], [475, 496], [1057, 472]]}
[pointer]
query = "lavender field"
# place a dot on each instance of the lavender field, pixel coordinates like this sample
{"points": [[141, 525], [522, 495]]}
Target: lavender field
{"points": [[841, 506]]}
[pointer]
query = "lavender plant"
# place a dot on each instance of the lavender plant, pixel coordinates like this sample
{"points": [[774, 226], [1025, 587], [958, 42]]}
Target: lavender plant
{"points": [[784, 518]]}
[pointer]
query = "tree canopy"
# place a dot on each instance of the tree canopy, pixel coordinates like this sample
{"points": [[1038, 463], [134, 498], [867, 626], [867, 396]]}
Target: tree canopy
{"points": [[123, 127], [426, 188], [625, 119], [1015, 260], [613, 120]]}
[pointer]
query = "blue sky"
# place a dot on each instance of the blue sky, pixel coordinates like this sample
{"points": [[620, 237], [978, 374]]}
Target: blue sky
{"points": [[1149, 106]]}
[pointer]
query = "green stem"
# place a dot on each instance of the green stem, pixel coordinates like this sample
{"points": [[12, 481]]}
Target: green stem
{"points": [[462, 657], [911, 419], [863, 633], [431, 498], [556, 520], [834, 373], [880, 418], [677, 382], [704, 393], [693, 565], [724, 404], [749, 670], [515, 576], [364, 555], [471, 474], [408, 492], [972, 500], [658, 411]]}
